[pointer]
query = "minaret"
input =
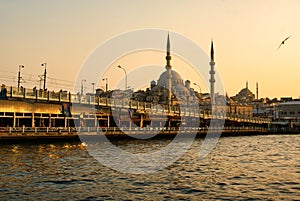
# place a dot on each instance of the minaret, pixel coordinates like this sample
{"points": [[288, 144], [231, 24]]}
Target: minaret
{"points": [[212, 74], [168, 68], [168, 57], [247, 85], [257, 90]]}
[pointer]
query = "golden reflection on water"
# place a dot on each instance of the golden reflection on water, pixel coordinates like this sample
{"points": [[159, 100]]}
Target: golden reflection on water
{"points": [[239, 168], [15, 149]]}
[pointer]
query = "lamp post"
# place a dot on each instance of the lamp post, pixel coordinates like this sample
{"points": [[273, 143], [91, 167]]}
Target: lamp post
{"points": [[125, 75], [81, 92], [198, 86], [45, 74], [93, 86], [106, 84], [19, 76]]}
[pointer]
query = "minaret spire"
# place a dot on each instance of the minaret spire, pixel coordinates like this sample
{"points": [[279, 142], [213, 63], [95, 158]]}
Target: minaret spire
{"points": [[168, 57], [168, 43], [212, 56], [257, 90], [212, 74]]}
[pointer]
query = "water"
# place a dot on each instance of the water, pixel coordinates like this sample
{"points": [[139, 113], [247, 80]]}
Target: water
{"points": [[239, 168]]}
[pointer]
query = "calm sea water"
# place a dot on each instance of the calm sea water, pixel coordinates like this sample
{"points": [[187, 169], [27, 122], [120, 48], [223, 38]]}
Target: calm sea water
{"points": [[239, 168]]}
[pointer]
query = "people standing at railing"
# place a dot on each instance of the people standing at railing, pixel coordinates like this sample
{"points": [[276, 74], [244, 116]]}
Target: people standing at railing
{"points": [[3, 93]]}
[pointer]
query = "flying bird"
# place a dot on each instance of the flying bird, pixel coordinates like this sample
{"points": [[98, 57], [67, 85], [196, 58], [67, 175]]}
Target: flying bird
{"points": [[282, 43]]}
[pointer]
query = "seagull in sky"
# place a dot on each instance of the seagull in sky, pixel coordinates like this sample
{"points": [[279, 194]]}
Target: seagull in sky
{"points": [[282, 43]]}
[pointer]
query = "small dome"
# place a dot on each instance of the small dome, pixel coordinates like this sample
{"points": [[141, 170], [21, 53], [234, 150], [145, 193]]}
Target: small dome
{"points": [[181, 91]]}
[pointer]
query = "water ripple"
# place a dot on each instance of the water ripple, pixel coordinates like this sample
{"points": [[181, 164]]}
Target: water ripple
{"points": [[239, 168]]}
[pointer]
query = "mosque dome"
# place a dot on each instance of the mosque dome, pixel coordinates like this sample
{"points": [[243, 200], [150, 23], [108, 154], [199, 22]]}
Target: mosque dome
{"points": [[178, 88], [245, 92], [163, 79], [245, 95], [181, 90]]}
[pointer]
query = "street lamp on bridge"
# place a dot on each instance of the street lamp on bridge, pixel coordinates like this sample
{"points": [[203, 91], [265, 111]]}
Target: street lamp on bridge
{"points": [[19, 76], [81, 91], [106, 84], [198, 86], [93, 87], [45, 74], [125, 76]]}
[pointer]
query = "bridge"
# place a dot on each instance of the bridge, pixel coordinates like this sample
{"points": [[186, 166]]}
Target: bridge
{"points": [[31, 108]]}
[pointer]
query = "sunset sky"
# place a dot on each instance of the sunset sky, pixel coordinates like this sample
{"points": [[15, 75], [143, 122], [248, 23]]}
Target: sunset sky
{"points": [[64, 33]]}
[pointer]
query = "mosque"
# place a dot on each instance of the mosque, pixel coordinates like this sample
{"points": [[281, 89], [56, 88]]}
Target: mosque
{"points": [[170, 88], [244, 96]]}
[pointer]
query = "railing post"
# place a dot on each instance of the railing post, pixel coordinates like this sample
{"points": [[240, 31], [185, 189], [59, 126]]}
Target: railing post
{"points": [[24, 93], [11, 92], [59, 96], [70, 97], [106, 101]]}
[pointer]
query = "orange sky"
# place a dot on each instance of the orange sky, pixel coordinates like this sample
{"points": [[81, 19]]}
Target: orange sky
{"points": [[246, 35]]}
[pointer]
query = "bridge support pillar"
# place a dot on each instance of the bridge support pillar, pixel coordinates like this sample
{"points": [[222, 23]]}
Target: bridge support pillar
{"points": [[32, 120], [108, 121], [14, 120], [50, 123], [65, 124], [130, 124], [169, 122], [95, 121], [142, 121]]}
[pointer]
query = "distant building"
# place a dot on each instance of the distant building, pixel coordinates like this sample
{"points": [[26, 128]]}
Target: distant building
{"points": [[244, 96], [289, 110]]}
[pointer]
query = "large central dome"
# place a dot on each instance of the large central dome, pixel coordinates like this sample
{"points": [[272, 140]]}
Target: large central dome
{"points": [[178, 88], [163, 79]]}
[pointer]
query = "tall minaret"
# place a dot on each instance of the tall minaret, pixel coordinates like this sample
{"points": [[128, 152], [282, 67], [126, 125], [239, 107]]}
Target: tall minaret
{"points": [[212, 74], [257, 90], [168, 68]]}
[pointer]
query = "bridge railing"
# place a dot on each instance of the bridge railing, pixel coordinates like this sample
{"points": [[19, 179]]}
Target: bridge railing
{"points": [[186, 110], [38, 94], [98, 130]]}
